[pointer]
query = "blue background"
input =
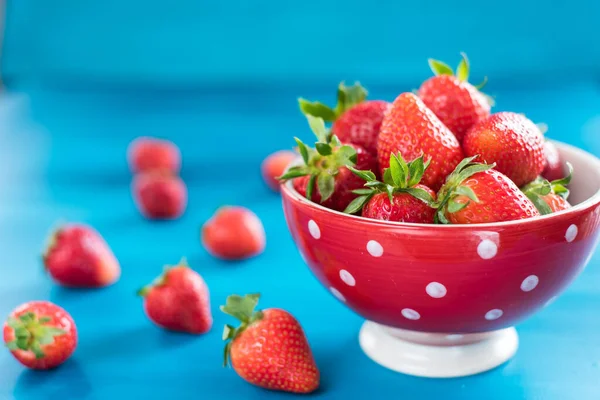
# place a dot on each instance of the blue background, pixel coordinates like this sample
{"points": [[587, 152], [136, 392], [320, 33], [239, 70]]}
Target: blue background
{"points": [[221, 80]]}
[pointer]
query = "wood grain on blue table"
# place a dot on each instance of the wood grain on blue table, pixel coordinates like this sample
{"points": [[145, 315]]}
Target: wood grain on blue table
{"points": [[63, 154]]}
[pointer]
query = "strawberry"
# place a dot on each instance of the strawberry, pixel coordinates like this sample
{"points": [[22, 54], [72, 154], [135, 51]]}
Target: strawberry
{"points": [[399, 197], [511, 141], [475, 193], [40, 335], [457, 103], [178, 300], [413, 130], [148, 154], [269, 348], [234, 233], [354, 120], [275, 165], [549, 197], [325, 177], [554, 167], [159, 195], [77, 256]]}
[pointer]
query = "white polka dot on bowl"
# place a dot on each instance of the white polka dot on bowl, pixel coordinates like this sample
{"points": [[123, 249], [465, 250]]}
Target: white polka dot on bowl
{"points": [[411, 314], [337, 294], [487, 249], [529, 283], [436, 290], [374, 248], [347, 278], [493, 314], [314, 229], [571, 233]]}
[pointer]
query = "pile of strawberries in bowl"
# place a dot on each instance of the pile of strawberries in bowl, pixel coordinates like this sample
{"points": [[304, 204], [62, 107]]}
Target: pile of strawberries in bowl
{"points": [[437, 156], [440, 222]]}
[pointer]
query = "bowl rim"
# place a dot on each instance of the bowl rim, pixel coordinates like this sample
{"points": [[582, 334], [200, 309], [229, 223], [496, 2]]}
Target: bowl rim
{"points": [[288, 189]]}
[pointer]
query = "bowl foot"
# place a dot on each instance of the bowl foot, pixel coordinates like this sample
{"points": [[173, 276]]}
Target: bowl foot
{"points": [[436, 355]]}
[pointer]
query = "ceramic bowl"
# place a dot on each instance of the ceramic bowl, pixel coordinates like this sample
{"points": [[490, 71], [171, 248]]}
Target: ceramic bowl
{"points": [[439, 300]]}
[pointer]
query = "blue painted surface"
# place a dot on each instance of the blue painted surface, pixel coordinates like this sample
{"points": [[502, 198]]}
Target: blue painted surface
{"points": [[63, 153], [237, 41]]}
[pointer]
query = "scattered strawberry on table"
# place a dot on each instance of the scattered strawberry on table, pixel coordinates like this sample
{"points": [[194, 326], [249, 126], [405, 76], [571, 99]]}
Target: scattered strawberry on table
{"points": [[151, 154], [511, 141], [476, 193], [269, 348], [457, 103], [275, 165], [233, 233], [413, 130], [549, 197], [40, 335], [400, 197], [178, 300], [355, 120], [159, 195], [324, 178], [77, 256]]}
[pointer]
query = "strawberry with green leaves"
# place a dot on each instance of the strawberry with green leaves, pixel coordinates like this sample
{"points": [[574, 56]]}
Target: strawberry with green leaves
{"points": [[457, 103], [269, 348], [355, 120], [40, 335], [399, 197], [475, 193], [413, 130], [324, 178], [549, 197], [178, 300]]}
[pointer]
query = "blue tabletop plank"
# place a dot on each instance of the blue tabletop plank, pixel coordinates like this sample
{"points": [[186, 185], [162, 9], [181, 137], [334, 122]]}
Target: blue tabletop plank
{"points": [[63, 154]]}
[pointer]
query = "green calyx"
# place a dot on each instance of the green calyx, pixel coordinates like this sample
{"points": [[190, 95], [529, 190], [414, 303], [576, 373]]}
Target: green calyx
{"points": [[347, 97], [323, 162], [462, 71], [400, 177], [162, 278], [243, 309], [536, 190], [453, 188], [31, 333]]}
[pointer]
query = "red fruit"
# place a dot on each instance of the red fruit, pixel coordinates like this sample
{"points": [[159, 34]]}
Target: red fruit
{"points": [[325, 178], [40, 335], [399, 197], [178, 300], [554, 168], [269, 348], [549, 197], [413, 130], [354, 120], [275, 165], [511, 141], [474, 194], [159, 195], [77, 256], [234, 233], [457, 103], [361, 123], [148, 154]]}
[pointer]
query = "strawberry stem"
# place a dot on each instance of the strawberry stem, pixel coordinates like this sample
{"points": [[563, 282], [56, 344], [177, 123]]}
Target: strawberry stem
{"points": [[243, 309], [162, 278], [32, 332], [446, 201]]}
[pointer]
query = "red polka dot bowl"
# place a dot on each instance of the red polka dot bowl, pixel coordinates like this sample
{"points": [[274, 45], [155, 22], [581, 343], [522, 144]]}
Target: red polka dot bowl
{"points": [[440, 301]]}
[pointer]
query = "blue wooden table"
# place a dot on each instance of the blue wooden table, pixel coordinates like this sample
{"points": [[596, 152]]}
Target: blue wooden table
{"points": [[63, 158]]}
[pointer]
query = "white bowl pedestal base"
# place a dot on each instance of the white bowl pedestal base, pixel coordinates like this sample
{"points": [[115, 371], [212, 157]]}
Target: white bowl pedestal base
{"points": [[436, 355]]}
